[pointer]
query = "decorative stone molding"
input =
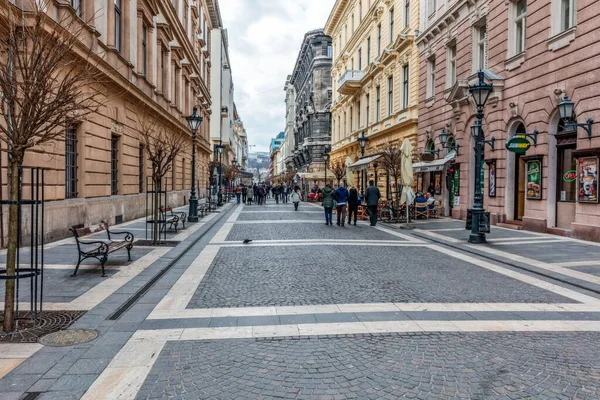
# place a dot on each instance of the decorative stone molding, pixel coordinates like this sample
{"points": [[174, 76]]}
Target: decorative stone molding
{"points": [[378, 12]]}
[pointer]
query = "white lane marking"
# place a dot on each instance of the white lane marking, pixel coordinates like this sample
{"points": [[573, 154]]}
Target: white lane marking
{"points": [[572, 294], [369, 307], [508, 243], [589, 263]]}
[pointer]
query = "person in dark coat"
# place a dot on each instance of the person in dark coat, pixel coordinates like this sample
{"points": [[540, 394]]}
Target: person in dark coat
{"points": [[352, 205], [328, 194], [341, 199], [372, 196]]}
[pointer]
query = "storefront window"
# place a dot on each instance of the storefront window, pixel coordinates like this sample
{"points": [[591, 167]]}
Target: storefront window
{"points": [[567, 182]]}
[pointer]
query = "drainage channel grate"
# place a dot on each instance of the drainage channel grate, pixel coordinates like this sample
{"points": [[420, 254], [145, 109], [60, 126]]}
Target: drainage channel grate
{"points": [[29, 331], [150, 243], [31, 395]]}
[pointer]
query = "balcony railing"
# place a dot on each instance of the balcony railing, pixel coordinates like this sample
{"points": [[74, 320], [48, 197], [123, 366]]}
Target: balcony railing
{"points": [[350, 81]]}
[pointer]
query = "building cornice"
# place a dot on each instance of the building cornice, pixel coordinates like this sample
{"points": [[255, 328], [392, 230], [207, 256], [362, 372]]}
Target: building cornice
{"points": [[442, 22], [335, 16]]}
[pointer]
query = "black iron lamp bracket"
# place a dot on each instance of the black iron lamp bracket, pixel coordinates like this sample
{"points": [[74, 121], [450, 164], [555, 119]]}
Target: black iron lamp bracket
{"points": [[490, 142], [587, 126]]}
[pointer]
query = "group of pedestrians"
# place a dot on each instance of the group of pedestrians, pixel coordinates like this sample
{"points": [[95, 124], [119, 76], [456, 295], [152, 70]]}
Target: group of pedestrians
{"points": [[349, 200], [259, 193]]}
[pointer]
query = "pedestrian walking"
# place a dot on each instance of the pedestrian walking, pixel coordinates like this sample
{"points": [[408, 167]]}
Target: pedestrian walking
{"points": [[341, 198], [261, 195], [276, 193], [328, 204], [296, 198], [372, 196], [255, 193], [352, 204], [244, 193], [284, 193], [238, 194]]}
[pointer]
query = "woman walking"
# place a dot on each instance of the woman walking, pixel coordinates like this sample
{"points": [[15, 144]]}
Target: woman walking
{"points": [[238, 193], [328, 204], [296, 197]]}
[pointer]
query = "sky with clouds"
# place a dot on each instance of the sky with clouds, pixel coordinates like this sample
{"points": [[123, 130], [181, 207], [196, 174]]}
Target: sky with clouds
{"points": [[264, 41]]}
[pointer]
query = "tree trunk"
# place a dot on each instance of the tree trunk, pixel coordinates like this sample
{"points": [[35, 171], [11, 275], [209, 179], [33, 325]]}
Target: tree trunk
{"points": [[11, 256]]}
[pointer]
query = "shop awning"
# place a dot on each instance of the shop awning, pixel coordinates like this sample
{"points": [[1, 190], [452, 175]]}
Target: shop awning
{"points": [[435, 165], [363, 163], [317, 175]]}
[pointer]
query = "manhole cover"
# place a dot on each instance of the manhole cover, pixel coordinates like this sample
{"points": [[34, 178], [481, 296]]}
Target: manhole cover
{"points": [[30, 330], [69, 337], [150, 243]]}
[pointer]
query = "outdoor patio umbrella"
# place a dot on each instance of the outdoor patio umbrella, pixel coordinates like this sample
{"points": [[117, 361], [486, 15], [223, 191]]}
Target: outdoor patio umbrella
{"points": [[407, 175], [349, 174]]}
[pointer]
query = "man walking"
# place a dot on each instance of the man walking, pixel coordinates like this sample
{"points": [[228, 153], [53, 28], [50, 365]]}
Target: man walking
{"points": [[244, 193], [341, 198], [372, 196]]}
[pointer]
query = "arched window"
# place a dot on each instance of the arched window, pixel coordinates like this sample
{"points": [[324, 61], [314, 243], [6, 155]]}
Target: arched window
{"points": [[430, 147], [451, 144]]}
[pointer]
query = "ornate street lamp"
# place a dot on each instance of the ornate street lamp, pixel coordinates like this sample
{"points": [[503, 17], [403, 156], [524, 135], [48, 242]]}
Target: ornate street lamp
{"points": [[327, 157], [362, 142], [566, 109], [194, 122], [479, 223]]}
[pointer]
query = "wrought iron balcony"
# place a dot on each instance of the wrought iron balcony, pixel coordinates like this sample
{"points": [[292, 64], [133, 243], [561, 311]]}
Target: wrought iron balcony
{"points": [[349, 82]]}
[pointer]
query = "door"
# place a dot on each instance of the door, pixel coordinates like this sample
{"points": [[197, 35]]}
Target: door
{"points": [[519, 187], [566, 185]]}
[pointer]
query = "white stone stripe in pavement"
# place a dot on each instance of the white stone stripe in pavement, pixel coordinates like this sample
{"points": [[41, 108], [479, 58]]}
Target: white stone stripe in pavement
{"points": [[572, 294], [325, 242], [280, 211], [527, 239], [519, 241], [280, 221], [370, 307], [589, 263]]}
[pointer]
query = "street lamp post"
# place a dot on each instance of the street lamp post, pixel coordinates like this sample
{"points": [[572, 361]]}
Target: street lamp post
{"points": [[362, 141], [234, 166], [220, 148], [194, 121], [479, 220], [326, 166]]}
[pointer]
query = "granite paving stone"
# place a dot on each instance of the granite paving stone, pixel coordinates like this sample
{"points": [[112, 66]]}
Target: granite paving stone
{"points": [[421, 366], [290, 276]]}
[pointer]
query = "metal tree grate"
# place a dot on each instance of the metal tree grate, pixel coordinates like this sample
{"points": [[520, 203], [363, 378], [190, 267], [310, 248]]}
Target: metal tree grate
{"points": [[29, 330]]}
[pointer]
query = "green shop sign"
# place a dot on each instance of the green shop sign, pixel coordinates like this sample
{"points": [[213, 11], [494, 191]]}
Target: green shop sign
{"points": [[518, 144]]}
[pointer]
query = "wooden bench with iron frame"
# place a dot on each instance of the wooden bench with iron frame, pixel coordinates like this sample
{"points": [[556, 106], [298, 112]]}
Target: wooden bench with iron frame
{"points": [[100, 249]]}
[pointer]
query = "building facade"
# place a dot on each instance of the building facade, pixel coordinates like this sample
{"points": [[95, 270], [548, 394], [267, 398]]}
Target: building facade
{"points": [[535, 55], [312, 85], [375, 72], [287, 148], [154, 56]]}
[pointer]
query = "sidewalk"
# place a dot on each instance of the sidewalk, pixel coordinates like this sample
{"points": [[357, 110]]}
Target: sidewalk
{"points": [[569, 260], [88, 294]]}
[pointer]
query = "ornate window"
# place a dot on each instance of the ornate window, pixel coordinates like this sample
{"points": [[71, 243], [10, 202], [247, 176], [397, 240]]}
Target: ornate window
{"points": [[71, 162]]}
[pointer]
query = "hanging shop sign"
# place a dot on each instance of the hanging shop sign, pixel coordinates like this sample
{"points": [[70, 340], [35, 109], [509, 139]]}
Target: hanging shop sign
{"points": [[588, 180], [534, 180], [518, 144]]}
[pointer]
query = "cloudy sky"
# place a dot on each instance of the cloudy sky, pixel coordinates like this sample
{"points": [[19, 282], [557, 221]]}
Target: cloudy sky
{"points": [[264, 40]]}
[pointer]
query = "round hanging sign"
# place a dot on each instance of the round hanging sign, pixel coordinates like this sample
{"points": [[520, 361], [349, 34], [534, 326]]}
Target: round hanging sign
{"points": [[518, 144]]}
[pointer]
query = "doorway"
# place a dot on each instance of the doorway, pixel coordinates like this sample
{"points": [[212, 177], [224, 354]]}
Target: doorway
{"points": [[566, 182], [520, 183]]}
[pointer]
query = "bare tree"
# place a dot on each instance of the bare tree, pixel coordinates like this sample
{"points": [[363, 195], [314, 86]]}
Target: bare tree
{"points": [[48, 80], [161, 146], [391, 161], [339, 170]]}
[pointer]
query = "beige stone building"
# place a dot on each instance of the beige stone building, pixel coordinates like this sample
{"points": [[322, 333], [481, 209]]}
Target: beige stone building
{"points": [[375, 77], [156, 55], [535, 54]]}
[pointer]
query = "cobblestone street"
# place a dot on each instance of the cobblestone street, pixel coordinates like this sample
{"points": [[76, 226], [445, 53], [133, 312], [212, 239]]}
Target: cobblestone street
{"points": [[309, 311]]}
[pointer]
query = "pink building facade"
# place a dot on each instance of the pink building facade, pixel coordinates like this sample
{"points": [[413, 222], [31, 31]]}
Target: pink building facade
{"points": [[535, 55]]}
